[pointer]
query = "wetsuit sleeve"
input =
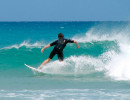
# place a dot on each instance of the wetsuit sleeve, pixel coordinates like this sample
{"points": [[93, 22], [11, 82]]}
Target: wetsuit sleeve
{"points": [[70, 41], [53, 43]]}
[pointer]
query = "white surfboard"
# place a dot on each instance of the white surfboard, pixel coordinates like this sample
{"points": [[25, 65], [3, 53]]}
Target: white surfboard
{"points": [[32, 68]]}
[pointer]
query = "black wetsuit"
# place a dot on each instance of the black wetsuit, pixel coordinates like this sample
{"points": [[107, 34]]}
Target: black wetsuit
{"points": [[59, 46]]}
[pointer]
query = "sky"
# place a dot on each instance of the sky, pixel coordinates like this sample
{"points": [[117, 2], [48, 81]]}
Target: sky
{"points": [[64, 10]]}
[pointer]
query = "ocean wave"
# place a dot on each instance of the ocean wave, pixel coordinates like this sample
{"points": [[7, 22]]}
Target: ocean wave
{"points": [[117, 67], [111, 63], [27, 44], [93, 44]]}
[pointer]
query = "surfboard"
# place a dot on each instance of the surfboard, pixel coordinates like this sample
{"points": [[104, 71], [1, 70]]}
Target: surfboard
{"points": [[32, 68]]}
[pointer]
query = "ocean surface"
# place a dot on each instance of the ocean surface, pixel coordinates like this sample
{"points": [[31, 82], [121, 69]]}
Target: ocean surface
{"points": [[98, 70]]}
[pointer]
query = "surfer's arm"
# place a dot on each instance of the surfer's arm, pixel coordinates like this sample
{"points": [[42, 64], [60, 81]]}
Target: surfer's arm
{"points": [[72, 41], [76, 44], [47, 46]]}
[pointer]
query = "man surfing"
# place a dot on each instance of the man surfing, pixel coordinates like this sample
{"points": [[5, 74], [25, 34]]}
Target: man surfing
{"points": [[58, 49]]}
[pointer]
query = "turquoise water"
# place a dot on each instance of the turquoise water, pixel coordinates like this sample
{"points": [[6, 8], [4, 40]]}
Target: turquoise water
{"points": [[98, 70]]}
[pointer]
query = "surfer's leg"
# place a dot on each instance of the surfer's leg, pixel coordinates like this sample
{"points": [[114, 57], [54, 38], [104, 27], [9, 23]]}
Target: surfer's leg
{"points": [[60, 56], [44, 62]]}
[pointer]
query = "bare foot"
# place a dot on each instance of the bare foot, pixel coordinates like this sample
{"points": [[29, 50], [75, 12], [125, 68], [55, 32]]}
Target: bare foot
{"points": [[39, 67]]}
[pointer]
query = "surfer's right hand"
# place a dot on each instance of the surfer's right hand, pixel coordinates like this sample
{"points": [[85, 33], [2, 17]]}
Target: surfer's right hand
{"points": [[42, 50]]}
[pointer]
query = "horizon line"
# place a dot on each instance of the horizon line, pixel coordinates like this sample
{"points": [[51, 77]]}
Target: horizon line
{"points": [[69, 21]]}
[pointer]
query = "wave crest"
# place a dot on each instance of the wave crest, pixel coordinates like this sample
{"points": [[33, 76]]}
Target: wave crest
{"points": [[27, 44]]}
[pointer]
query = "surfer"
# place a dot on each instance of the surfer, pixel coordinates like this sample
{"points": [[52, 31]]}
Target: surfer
{"points": [[58, 49]]}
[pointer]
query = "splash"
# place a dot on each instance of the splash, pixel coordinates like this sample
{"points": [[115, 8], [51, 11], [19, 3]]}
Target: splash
{"points": [[95, 34], [74, 65], [119, 66]]}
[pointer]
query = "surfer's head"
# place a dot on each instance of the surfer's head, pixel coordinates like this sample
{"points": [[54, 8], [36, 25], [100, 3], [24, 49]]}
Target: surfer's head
{"points": [[60, 35]]}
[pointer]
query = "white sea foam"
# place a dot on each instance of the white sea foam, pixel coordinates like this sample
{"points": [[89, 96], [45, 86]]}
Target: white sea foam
{"points": [[97, 35], [27, 44], [74, 65], [119, 66], [66, 94]]}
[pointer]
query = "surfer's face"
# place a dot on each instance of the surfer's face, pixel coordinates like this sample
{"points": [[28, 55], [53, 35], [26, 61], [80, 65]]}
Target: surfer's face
{"points": [[60, 35]]}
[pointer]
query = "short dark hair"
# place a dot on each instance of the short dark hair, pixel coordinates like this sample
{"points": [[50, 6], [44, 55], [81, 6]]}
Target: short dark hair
{"points": [[60, 35]]}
